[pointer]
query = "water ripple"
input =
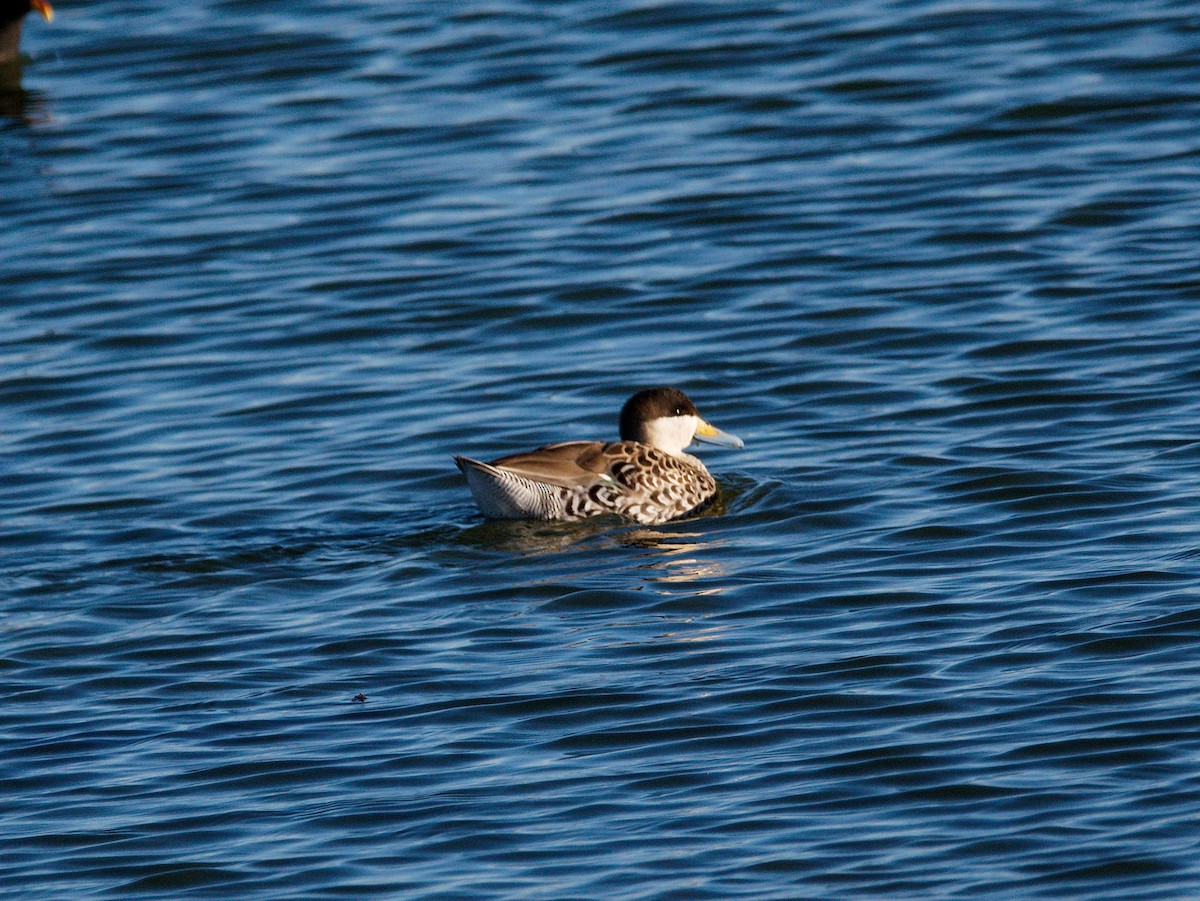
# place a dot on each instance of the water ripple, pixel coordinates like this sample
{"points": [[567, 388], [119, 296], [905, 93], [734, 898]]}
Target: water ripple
{"points": [[266, 270]]}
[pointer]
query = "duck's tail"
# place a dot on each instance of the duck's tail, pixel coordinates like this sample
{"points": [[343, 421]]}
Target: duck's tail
{"points": [[501, 494]]}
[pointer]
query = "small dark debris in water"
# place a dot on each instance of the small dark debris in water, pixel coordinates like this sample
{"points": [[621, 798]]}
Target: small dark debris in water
{"points": [[360, 698]]}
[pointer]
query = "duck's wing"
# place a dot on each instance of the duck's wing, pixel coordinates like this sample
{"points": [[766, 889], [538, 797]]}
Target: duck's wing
{"points": [[569, 464]]}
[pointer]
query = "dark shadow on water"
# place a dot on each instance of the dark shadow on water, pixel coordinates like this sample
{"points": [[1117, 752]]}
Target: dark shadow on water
{"points": [[671, 553], [17, 104], [535, 536]]}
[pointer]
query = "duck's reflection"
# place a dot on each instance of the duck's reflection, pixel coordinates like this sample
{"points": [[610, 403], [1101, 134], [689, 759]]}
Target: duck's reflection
{"points": [[18, 104], [15, 102], [671, 555], [533, 537]]}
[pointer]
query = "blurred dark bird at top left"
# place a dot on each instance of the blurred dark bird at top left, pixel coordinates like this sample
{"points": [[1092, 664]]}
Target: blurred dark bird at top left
{"points": [[16, 103], [12, 15]]}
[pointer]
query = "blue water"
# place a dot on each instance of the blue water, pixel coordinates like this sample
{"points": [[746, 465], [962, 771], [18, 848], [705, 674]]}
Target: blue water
{"points": [[265, 267]]}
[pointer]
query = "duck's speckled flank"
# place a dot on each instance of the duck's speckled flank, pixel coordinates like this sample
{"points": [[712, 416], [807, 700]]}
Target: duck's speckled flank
{"points": [[647, 485]]}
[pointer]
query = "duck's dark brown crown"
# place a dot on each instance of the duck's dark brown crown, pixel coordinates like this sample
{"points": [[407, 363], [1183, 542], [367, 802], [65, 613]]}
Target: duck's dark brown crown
{"points": [[653, 403]]}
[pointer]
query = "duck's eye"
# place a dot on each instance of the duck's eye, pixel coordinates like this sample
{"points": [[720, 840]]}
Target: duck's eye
{"points": [[678, 411]]}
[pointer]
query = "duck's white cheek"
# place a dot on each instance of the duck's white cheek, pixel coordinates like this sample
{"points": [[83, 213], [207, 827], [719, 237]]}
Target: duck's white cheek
{"points": [[681, 429]]}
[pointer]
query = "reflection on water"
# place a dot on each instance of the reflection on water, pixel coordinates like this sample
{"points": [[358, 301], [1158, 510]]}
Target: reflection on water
{"points": [[533, 537], [678, 558], [668, 557], [16, 102]]}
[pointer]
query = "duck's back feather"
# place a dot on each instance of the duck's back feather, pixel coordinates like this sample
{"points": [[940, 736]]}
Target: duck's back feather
{"points": [[569, 464]]}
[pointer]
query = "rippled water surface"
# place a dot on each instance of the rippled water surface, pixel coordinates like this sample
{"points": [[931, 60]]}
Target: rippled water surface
{"points": [[265, 267]]}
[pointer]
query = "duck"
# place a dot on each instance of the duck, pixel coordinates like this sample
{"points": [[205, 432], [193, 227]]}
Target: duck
{"points": [[645, 476], [12, 14]]}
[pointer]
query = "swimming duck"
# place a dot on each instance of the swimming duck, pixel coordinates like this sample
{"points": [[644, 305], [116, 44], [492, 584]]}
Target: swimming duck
{"points": [[12, 14], [645, 476]]}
